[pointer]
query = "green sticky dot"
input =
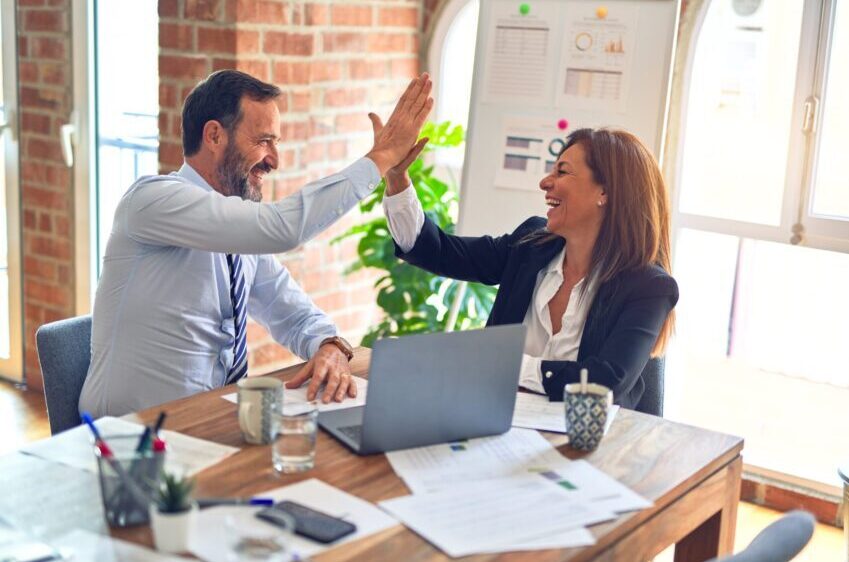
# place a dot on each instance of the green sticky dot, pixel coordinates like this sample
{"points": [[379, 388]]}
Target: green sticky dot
{"points": [[524, 9]]}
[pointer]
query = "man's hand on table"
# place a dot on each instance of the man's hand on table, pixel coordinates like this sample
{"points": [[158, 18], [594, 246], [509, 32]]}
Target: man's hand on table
{"points": [[328, 367]]}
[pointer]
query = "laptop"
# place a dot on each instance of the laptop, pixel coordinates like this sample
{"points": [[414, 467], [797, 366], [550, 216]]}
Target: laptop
{"points": [[434, 388]]}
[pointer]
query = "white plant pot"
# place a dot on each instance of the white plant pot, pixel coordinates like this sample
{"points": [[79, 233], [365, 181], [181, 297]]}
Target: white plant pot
{"points": [[172, 532]]}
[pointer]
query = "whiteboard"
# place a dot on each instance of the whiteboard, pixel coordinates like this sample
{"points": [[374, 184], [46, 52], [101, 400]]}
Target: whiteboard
{"points": [[545, 68]]}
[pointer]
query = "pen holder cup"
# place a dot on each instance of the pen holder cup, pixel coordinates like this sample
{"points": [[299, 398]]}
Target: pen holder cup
{"points": [[586, 413], [129, 480]]}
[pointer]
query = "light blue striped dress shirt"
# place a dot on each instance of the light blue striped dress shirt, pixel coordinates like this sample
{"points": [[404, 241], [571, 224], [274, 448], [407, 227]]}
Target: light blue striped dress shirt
{"points": [[163, 324]]}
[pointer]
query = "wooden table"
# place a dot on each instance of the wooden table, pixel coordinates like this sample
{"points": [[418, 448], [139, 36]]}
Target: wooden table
{"points": [[692, 475]]}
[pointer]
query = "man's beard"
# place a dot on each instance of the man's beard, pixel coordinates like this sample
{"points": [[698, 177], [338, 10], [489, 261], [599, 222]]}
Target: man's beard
{"points": [[235, 178]]}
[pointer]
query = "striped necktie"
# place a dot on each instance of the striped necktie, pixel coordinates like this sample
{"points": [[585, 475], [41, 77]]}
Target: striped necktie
{"points": [[237, 295]]}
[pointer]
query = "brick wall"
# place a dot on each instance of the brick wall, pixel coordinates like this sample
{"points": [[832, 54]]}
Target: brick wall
{"points": [[44, 52], [334, 61]]}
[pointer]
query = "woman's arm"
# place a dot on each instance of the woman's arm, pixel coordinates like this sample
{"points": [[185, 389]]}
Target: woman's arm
{"points": [[624, 353]]}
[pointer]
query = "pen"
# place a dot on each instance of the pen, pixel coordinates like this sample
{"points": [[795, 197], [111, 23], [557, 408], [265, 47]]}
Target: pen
{"points": [[159, 421], [211, 502], [143, 440]]}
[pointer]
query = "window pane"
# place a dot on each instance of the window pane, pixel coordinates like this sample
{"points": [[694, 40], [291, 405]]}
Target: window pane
{"points": [[127, 117], [831, 185], [455, 77], [739, 106], [759, 349]]}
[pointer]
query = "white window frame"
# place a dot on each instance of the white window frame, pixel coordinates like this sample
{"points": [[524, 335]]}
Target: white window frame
{"points": [[12, 368], [84, 163], [797, 224]]}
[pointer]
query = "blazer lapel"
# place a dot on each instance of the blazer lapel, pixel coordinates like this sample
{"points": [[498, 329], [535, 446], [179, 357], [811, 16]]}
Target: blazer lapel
{"points": [[532, 259]]}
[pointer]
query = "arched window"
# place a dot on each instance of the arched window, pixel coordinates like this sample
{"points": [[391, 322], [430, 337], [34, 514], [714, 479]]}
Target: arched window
{"points": [[451, 58]]}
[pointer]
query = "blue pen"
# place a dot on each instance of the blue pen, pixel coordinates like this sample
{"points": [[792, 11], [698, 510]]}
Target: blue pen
{"points": [[211, 502]]}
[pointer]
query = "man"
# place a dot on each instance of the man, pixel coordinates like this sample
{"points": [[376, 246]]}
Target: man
{"points": [[188, 256]]}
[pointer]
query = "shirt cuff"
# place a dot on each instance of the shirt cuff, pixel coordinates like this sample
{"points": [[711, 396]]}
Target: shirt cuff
{"points": [[402, 199], [364, 175], [529, 376], [315, 343]]}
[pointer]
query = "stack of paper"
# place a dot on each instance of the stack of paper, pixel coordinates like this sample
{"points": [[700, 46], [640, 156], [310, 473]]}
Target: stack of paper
{"points": [[300, 395], [515, 486], [534, 411], [74, 447]]}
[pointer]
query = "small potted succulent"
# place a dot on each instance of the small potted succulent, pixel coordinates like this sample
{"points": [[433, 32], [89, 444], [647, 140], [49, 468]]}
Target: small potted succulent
{"points": [[173, 513]]}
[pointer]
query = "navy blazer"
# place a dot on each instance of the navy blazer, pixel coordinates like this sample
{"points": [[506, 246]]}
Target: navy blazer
{"points": [[622, 324]]}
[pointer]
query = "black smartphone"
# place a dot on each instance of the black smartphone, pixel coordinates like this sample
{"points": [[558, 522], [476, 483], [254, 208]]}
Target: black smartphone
{"points": [[309, 523]]}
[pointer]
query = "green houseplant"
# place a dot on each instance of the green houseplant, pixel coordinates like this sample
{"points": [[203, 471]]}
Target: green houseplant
{"points": [[173, 513], [415, 301]]}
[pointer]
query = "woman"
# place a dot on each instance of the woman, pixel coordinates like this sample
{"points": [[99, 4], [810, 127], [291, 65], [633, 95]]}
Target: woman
{"points": [[591, 281]]}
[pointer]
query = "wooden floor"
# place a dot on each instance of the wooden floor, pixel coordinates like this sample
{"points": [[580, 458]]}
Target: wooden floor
{"points": [[23, 418]]}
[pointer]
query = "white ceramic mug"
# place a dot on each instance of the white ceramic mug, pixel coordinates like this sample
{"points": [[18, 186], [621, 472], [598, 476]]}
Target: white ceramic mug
{"points": [[259, 397]]}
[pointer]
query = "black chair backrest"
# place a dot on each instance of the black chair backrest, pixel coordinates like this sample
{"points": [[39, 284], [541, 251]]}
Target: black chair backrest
{"points": [[652, 399]]}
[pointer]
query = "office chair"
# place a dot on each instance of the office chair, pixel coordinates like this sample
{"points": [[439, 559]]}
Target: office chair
{"points": [[64, 352], [779, 541], [652, 400]]}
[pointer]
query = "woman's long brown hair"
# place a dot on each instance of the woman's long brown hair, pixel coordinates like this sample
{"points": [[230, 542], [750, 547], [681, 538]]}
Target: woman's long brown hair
{"points": [[635, 230]]}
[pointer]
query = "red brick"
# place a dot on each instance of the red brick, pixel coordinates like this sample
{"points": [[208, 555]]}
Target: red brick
{"points": [[314, 152], [330, 302], [404, 68], [344, 97], [47, 293], [287, 73], [316, 14], [39, 268], [23, 47], [43, 149], [256, 68], [175, 36], [281, 43], [294, 131], [35, 123], [388, 43], [344, 42], [362, 69], [41, 97], [31, 2], [50, 247], [167, 96], [168, 8], [63, 273], [351, 15], [48, 48], [45, 224], [325, 71], [53, 73], [337, 150], [227, 41], [170, 153], [270, 354], [44, 20], [185, 67], [29, 219], [398, 17], [63, 226], [35, 197], [352, 123], [301, 101], [27, 71], [206, 10]]}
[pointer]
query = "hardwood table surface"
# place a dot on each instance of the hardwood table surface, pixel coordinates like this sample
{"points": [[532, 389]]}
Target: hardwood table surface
{"points": [[692, 475]]}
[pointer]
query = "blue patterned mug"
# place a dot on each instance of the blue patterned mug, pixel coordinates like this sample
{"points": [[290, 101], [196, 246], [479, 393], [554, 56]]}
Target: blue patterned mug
{"points": [[586, 406]]}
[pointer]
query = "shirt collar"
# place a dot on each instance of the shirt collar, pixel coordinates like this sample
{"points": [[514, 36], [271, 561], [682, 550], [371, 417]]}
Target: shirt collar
{"points": [[556, 265], [189, 173]]}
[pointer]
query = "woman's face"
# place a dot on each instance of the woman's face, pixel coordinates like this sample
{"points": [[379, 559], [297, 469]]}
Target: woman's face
{"points": [[572, 196]]}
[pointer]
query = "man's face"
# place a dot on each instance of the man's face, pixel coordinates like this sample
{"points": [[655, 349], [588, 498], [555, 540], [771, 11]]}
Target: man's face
{"points": [[251, 150]]}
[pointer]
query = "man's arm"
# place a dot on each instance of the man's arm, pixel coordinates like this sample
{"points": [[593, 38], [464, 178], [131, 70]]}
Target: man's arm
{"points": [[278, 303], [176, 214]]}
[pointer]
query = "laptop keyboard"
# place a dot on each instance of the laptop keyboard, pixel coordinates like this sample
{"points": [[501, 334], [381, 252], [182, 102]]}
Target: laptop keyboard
{"points": [[355, 432]]}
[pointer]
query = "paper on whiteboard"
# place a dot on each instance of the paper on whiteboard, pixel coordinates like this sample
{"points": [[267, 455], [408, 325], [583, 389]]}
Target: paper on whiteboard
{"points": [[529, 147], [597, 53], [518, 54]]}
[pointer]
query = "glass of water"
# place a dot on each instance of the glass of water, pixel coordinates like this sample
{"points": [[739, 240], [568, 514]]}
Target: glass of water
{"points": [[296, 423]]}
